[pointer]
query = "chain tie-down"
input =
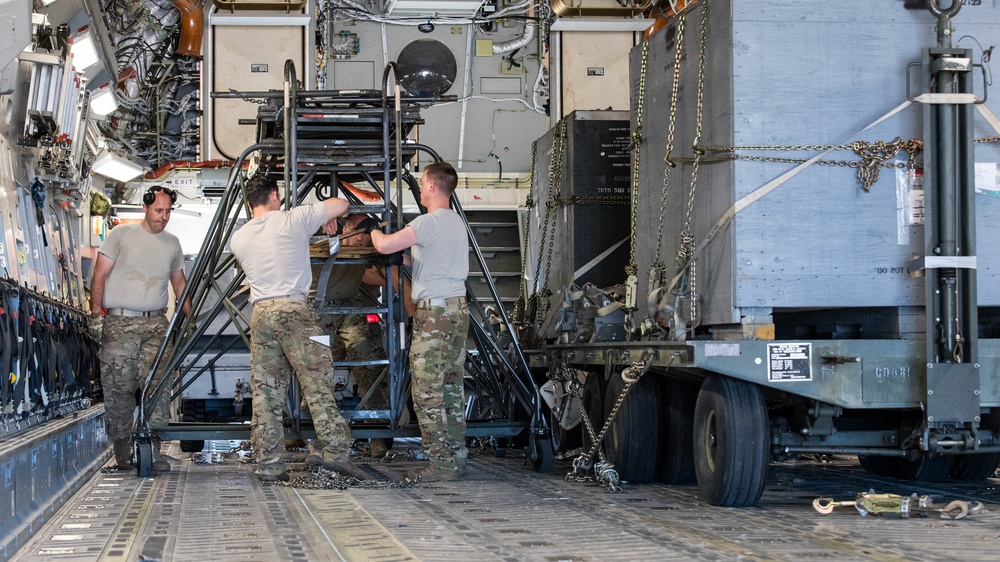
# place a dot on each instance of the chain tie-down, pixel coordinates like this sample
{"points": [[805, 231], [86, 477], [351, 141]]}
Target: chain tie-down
{"points": [[869, 503], [603, 471]]}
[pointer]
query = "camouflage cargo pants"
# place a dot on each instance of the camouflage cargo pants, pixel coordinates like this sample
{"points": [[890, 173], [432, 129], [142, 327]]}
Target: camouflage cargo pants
{"points": [[353, 338], [279, 347], [437, 367], [128, 349]]}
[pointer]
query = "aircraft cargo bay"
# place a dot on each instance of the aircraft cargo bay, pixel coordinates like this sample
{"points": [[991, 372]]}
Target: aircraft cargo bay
{"points": [[499, 280]]}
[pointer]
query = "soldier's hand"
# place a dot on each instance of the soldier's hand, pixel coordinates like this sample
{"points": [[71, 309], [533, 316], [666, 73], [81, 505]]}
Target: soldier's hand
{"points": [[96, 326], [395, 258], [368, 225]]}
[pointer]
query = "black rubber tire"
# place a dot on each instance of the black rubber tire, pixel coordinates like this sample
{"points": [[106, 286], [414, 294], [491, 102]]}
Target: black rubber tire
{"points": [[192, 446], [676, 460], [541, 454], [563, 439], [594, 388], [144, 458], [926, 469], [975, 467], [731, 442], [879, 465], [632, 441]]}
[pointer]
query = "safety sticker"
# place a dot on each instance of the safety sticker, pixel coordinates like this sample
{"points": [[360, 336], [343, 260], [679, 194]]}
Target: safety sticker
{"points": [[789, 362]]}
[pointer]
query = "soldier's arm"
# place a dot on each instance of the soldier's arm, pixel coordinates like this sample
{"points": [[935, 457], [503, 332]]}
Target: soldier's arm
{"points": [[395, 242], [178, 281], [102, 269]]}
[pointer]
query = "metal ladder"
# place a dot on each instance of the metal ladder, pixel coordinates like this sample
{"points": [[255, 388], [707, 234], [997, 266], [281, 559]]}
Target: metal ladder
{"points": [[313, 140]]}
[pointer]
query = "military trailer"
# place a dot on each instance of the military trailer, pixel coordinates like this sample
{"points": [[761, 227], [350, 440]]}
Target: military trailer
{"points": [[812, 198]]}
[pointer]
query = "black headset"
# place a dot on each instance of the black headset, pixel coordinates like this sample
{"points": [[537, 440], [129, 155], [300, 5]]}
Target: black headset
{"points": [[149, 197]]}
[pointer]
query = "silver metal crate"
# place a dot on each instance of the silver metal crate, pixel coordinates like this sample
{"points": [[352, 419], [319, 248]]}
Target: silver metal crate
{"points": [[800, 73]]}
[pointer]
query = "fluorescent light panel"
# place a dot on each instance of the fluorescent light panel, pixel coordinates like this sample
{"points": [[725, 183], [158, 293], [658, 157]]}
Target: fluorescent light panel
{"points": [[110, 165], [84, 52], [102, 101], [601, 24]]}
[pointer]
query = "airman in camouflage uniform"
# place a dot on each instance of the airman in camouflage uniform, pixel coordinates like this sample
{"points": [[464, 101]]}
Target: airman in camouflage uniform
{"points": [[128, 302], [273, 249], [439, 246], [355, 339]]}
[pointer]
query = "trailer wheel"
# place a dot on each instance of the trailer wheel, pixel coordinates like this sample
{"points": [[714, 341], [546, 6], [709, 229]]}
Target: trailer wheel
{"points": [[144, 458], [676, 462], [926, 468], [730, 442], [593, 406], [879, 465], [975, 467], [632, 440]]}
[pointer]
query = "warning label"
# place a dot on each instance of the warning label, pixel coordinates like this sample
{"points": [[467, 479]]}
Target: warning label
{"points": [[789, 362]]}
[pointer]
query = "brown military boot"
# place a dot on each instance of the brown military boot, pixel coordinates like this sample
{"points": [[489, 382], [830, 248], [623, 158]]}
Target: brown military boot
{"points": [[337, 461], [377, 448], [347, 468], [431, 473]]}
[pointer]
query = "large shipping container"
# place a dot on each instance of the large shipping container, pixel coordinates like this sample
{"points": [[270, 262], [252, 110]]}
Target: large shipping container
{"points": [[788, 80]]}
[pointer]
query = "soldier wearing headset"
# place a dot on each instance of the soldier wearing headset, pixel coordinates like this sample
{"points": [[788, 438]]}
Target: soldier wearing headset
{"points": [[128, 303]]}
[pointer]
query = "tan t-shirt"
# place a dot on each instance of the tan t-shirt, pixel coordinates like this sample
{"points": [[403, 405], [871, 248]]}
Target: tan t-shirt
{"points": [[274, 251], [440, 256], [143, 264]]}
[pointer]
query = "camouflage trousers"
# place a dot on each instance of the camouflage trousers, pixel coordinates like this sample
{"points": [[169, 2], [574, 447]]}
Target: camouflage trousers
{"points": [[128, 349], [437, 367], [279, 347], [353, 338], [356, 339]]}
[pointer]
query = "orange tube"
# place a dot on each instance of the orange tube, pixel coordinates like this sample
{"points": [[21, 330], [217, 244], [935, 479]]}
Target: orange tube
{"points": [[658, 24], [665, 16], [159, 172], [192, 26], [363, 194]]}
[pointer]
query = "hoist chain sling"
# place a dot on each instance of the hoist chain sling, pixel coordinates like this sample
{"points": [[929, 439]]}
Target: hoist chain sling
{"points": [[874, 156], [538, 302], [686, 252], [604, 471]]}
